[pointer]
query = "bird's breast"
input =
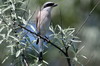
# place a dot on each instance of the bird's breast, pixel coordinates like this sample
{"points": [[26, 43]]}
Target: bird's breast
{"points": [[44, 22]]}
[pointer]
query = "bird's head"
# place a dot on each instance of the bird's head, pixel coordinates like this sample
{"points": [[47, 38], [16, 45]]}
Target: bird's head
{"points": [[49, 5]]}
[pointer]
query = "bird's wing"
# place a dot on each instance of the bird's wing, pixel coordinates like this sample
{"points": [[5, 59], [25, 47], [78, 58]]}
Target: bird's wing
{"points": [[40, 19], [37, 20]]}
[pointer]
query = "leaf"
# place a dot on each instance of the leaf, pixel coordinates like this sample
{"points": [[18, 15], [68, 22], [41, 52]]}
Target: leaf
{"points": [[2, 28], [33, 41], [1, 41], [34, 30], [24, 21], [6, 9], [18, 53], [14, 15], [3, 36], [45, 62], [75, 58], [8, 33], [13, 6], [51, 29], [84, 56], [72, 32], [18, 3], [75, 40], [1, 6], [0, 12], [59, 27], [19, 17], [21, 9], [11, 47], [40, 64], [5, 59], [32, 56], [14, 38]]}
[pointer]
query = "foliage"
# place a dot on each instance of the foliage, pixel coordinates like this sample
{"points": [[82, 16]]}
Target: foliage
{"points": [[19, 46]]}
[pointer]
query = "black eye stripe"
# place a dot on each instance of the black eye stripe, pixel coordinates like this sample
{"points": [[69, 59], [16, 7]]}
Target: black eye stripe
{"points": [[49, 4]]}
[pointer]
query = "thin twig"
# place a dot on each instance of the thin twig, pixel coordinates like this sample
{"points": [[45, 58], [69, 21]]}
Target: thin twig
{"points": [[86, 21], [66, 48], [44, 39], [26, 8], [87, 18]]}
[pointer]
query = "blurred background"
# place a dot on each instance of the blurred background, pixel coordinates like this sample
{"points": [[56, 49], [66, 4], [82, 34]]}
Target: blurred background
{"points": [[73, 13]]}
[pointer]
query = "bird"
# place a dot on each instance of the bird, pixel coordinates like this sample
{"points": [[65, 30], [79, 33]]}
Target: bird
{"points": [[43, 20]]}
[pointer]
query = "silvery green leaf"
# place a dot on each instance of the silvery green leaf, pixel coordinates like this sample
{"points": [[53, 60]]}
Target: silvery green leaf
{"points": [[11, 48], [59, 27], [71, 32], [3, 36], [1, 6], [18, 53], [40, 64], [21, 9], [13, 7], [35, 49], [63, 32], [84, 56], [34, 30], [51, 29], [45, 45], [33, 41], [19, 17], [19, 2], [1, 41], [2, 28], [24, 21], [70, 28], [75, 58], [0, 11], [6, 9], [5, 59], [13, 15], [9, 32], [14, 38], [75, 40], [32, 55], [22, 43], [45, 62]]}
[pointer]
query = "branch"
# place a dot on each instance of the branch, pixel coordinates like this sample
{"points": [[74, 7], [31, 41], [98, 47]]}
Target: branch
{"points": [[48, 41], [43, 39], [66, 48]]}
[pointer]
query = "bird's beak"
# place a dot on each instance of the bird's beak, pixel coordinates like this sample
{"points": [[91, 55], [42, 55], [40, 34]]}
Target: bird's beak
{"points": [[55, 4]]}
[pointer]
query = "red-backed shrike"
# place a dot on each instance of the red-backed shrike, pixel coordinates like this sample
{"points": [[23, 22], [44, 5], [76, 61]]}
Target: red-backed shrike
{"points": [[43, 20]]}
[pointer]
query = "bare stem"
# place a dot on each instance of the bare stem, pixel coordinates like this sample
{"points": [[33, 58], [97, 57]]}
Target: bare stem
{"points": [[66, 54]]}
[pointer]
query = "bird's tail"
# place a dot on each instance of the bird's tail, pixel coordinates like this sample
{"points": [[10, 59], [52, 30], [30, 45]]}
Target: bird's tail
{"points": [[40, 48]]}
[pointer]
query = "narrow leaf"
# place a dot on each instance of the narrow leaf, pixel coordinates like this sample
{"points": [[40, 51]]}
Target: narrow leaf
{"points": [[1, 41], [33, 28], [18, 53], [5, 59], [2, 28], [9, 33], [14, 38]]}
